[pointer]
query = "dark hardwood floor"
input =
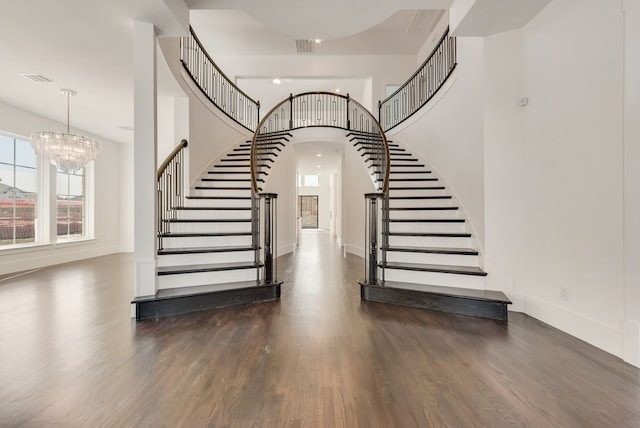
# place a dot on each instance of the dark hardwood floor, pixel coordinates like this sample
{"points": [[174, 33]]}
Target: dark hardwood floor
{"points": [[71, 356]]}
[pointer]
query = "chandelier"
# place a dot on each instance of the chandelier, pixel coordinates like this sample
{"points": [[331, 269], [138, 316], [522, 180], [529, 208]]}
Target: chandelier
{"points": [[69, 152]]}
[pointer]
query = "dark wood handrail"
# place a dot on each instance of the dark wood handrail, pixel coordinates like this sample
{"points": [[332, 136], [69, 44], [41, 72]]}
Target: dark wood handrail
{"points": [[183, 143]]}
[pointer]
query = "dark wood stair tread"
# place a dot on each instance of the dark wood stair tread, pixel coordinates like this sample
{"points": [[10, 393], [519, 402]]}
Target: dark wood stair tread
{"points": [[202, 234], [213, 208], [198, 250], [422, 208], [433, 250], [413, 179], [426, 220], [172, 293], [420, 197], [423, 267], [244, 198], [431, 234], [211, 267], [221, 188], [207, 220]]}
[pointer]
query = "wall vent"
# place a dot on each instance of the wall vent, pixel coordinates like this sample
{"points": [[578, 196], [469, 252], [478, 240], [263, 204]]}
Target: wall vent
{"points": [[36, 77], [304, 46]]}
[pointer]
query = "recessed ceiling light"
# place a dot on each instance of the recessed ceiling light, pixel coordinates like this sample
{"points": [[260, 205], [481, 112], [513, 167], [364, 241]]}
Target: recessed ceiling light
{"points": [[319, 155], [317, 41], [338, 91], [318, 166], [276, 81], [36, 77]]}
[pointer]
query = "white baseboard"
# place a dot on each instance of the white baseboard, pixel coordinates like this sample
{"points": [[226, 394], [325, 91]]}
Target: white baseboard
{"points": [[358, 251], [596, 333], [631, 343], [286, 249]]}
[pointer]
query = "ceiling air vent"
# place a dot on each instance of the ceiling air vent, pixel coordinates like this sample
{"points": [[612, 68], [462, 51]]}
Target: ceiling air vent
{"points": [[36, 77], [304, 46]]}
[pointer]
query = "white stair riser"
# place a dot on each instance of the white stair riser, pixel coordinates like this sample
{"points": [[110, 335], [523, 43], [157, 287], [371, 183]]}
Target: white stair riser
{"points": [[214, 214], [426, 214], [236, 168], [428, 227], [204, 258], [210, 227], [205, 241], [435, 278], [244, 175], [431, 258], [410, 173], [416, 192], [408, 183], [218, 184], [221, 192], [242, 203], [205, 278], [402, 203], [429, 241]]}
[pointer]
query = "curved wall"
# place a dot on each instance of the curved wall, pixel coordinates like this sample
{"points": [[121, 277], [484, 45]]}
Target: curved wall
{"points": [[448, 133]]}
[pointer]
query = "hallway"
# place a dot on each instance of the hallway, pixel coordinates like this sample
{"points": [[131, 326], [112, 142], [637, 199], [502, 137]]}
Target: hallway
{"points": [[71, 356]]}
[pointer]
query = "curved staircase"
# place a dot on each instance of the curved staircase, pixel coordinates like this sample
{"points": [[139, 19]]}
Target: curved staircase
{"points": [[427, 259], [208, 254]]}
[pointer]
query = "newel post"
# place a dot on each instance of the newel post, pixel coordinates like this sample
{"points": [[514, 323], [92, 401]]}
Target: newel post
{"points": [[371, 237], [270, 235]]}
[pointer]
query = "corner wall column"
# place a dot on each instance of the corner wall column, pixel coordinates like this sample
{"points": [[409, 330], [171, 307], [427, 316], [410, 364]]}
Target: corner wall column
{"points": [[144, 157]]}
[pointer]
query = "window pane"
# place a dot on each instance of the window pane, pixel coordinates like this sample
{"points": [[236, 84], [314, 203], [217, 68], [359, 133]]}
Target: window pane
{"points": [[25, 180], [62, 215], [18, 192], [76, 185], [6, 149], [62, 183], [25, 155], [311, 181], [6, 220], [6, 178], [25, 219], [76, 216]]}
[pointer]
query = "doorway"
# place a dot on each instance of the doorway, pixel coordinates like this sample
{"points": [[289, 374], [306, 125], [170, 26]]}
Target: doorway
{"points": [[308, 211]]}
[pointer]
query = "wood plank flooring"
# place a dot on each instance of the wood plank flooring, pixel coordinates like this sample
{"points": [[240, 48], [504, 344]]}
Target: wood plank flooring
{"points": [[71, 356]]}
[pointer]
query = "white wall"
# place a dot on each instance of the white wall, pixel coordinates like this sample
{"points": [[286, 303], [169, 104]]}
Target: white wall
{"points": [[108, 199], [504, 161], [554, 169], [573, 172], [282, 180], [356, 182], [381, 69], [631, 348], [449, 132]]}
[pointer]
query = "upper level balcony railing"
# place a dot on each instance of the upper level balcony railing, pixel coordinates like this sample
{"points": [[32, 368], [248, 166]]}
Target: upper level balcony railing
{"points": [[216, 86], [420, 87], [321, 109]]}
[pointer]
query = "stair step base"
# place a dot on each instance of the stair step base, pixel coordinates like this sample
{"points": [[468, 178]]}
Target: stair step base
{"points": [[178, 301], [476, 303]]}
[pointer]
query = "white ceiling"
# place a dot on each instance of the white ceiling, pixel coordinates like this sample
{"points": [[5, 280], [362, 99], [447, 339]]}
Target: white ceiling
{"points": [[309, 163], [86, 45]]}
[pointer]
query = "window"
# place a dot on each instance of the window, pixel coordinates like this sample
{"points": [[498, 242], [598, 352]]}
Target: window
{"points": [[70, 207], [308, 181], [18, 192]]}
